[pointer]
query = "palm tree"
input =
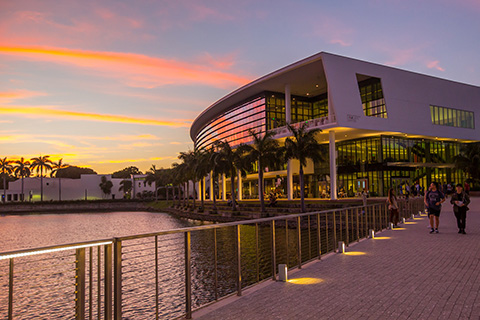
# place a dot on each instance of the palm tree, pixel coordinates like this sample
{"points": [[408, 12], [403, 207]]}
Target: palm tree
{"points": [[265, 151], [192, 160], [40, 163], [178, 178], [303, 145], [125, 186], [153, 176], [469, 160], [56, 167], [231, 160], [6, 167], [22, 170]]}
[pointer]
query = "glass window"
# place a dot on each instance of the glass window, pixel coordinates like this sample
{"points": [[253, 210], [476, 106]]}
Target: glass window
{"points": [[371, 94], [452, 117]]}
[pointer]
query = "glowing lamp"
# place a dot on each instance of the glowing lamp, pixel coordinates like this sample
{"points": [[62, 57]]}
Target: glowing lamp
{"points": [[403, 220], [413, 216], [372, 233], [391, 225], [282, 272], [341, 247]]}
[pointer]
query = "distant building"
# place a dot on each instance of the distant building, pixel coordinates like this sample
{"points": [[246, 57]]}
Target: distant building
{"points": [[85, 188], [383, 127]]}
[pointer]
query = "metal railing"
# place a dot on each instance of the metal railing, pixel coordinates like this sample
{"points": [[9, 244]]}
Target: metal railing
{"points": [[170, 273]]}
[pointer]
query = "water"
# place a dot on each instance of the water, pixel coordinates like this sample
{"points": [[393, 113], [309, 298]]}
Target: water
{"points": [[32, 231], [53, 296]]}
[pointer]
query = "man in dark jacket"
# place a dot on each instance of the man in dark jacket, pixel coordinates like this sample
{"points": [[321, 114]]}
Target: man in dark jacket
{"points": [[460, 201]]}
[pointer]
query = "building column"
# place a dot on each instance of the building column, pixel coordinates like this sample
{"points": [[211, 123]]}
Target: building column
{"points": [[289, 180], [288, 104], [212, 194], [333, 166], [224, 187], [250, 189], [239, 181], [199, 189]]}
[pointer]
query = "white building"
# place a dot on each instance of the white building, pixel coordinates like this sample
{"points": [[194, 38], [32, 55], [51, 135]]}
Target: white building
{"points": [[85, 188], [383, 127]]}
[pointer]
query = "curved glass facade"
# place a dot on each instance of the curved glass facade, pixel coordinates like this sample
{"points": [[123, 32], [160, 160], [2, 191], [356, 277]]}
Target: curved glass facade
{"points": [[233, 125]]}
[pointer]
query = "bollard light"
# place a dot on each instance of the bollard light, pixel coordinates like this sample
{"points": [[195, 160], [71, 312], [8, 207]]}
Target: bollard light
{"points": [[419, 212], [282, 272], [341, 247], [413, 216], [372, 233], [403, 220], [391, 225]]}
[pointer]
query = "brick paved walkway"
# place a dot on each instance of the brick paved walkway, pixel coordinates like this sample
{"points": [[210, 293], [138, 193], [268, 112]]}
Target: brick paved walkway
{"points": [[411, 275]]}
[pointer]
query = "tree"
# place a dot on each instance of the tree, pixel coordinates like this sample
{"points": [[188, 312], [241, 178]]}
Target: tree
{"points": [[301, 146], [469, 161], [153, 176], [106, 186], [125, 186], [40, 163], [6, 167], [73, 172], [265, 151], [231, 160], [126, 173], [22, 170], [56, 167], [192, 160]]}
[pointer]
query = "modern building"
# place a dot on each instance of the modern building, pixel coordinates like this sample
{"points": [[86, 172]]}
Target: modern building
{"points": [[383, 127]]}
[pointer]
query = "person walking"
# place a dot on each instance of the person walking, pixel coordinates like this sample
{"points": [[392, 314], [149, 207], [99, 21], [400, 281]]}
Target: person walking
{"points": [[460, 201], [393, 207], [433, 200]]}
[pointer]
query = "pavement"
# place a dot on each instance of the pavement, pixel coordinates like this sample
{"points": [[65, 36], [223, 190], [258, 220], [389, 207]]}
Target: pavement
{"points": [[404, 273]]}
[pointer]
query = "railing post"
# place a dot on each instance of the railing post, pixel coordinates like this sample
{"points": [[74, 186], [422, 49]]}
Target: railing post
{"points": [[358, 226], [80, 284], [286, 239], [239, 262], [156, 277], [326, 230], [299, 240], [309, 239], [188, 276], [99, 288], [90, 284], [117, 277], [108, 281], [319, 236], [274, 259], [347, 236], [215, 262], [374, 219], [10, 291], [257, 262], [334, 231]]}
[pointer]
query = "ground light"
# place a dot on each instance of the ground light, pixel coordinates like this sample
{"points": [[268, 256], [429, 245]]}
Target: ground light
{"points": [[410, 222], [399, 229], [355, 253], [382, 238], [305, 281]]}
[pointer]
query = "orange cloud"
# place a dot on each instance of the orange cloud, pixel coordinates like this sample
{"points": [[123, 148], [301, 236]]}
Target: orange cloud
{"points": [[139, 70], [7, 96], [434, 65], [51, 112], [136, 160]]}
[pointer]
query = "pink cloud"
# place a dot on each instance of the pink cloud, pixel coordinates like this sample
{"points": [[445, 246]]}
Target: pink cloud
{"points": [[333, 31], [434, 65], [135, 70]]}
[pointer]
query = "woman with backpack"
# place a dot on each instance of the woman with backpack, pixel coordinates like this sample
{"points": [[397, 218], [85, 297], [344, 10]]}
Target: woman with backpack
{"points": [[460, 201], [393, 207]]}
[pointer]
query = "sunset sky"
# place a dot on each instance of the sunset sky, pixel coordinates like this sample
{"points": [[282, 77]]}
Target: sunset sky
{"points": [[109, 84]]}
